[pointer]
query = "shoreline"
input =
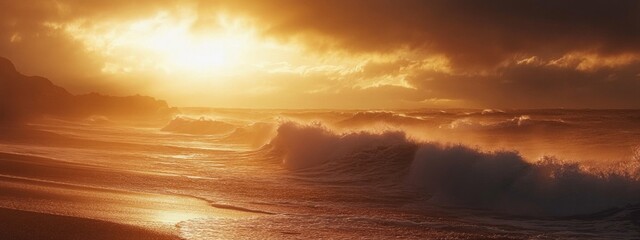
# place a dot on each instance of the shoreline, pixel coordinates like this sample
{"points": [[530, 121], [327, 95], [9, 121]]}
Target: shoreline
{"points": [[19, 224]]}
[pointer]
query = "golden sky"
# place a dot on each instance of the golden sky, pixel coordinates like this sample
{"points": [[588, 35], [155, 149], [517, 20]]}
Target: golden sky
{"points": [[334, 53]]}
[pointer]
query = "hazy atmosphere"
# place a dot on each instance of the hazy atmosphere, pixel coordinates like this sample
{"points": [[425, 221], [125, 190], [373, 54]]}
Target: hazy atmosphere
{"points": [[291, 119]]}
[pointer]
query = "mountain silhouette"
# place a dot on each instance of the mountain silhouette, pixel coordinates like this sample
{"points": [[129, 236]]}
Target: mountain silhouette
{"points": [[23, 98]]}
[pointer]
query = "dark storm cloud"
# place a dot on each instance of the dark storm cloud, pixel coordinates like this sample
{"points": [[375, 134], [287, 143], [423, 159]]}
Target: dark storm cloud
{"points": [[470, 33], [483, 41], [538, 86]]}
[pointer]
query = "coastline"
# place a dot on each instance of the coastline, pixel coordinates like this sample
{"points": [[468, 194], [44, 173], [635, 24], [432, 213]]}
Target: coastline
{"points": [[18, 224]]}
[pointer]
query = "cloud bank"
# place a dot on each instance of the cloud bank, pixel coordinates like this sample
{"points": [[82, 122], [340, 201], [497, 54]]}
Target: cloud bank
{"points": [[514, 54]]}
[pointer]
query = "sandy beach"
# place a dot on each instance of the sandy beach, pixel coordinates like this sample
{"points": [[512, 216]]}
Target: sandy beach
{"points": [[46, 198], [19, 225]]}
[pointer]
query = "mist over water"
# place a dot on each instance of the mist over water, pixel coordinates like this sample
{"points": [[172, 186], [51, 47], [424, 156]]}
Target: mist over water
{"points": [[320, 119], [489, 174]]}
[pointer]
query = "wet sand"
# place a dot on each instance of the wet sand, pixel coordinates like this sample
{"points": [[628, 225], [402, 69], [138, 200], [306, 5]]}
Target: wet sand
{"points": [[18, 225], [47, 198]]}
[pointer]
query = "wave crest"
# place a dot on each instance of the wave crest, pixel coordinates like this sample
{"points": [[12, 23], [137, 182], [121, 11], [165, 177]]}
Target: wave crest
{"points": [[201, 126], [255, 135], [454, 174], [304, 146], [377, 117], [521, 122]]}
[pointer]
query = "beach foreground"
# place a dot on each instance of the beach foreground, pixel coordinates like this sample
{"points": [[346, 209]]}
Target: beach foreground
{"points": [[31, 225]]}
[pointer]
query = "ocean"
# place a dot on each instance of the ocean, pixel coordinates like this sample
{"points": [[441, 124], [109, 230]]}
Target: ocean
{"points": [[337, 174]]}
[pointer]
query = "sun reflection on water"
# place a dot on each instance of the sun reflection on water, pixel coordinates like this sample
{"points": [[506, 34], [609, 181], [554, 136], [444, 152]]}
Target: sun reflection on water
{"points": [[175, 217]]}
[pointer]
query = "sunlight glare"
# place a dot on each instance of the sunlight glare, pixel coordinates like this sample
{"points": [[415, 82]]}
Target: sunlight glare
{"points": [[168, 42], [174, 217]]}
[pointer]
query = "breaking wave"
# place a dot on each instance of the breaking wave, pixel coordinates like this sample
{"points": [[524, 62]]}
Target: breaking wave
{"points": [[454, 174], [376, 117], [201, 126], [522, 122], [256, 134]]}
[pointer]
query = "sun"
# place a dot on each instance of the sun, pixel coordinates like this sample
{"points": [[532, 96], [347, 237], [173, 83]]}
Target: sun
{"points": [[166, 42], [186, 52], [182, 49]]}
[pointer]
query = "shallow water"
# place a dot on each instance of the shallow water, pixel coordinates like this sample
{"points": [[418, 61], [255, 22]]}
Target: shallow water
{"points": [[543, 174]]}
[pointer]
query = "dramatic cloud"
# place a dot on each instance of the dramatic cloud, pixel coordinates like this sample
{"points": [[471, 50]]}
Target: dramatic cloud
{"points": [[473, 32], [360, 53]]}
